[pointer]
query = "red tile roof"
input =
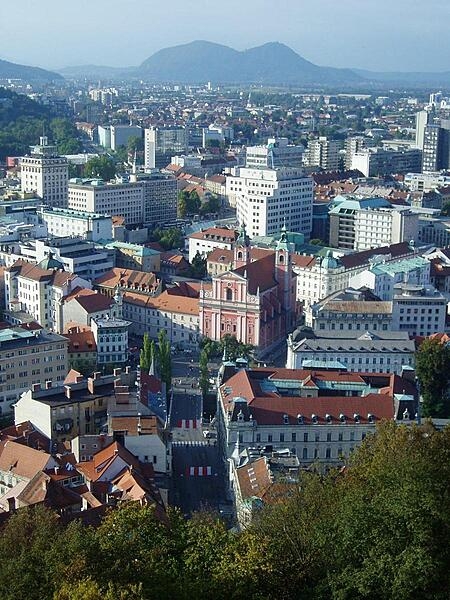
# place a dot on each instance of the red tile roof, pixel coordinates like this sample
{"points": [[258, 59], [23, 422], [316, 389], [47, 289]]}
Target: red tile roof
{"points": [[254, 478], [93, 301]]}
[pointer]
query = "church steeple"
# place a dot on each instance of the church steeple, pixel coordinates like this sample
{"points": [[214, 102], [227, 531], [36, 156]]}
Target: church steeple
{"points": [[242, 248]]}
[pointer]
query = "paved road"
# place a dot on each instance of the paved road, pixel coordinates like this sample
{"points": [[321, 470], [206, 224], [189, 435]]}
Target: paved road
{"points": [[193, 492], [186, 405]]}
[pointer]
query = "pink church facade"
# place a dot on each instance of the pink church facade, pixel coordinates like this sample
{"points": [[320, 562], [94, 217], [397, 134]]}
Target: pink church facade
{"points": [[255, 301]]}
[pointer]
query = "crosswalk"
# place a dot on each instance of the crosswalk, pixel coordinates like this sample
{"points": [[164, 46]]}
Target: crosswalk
{"points": [[199, 471], [189, 424], [190, 443]]}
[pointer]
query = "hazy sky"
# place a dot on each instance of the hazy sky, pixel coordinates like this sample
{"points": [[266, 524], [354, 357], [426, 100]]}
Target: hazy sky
{"points": [[374, 34]]}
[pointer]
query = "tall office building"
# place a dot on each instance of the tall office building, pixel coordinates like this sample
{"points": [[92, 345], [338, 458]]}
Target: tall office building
{"points": [[276, 153], [46, 174], [353, 145], [421, 123], [114, 136], [161, 143], [436, 147], [323, 153], [272, 198]]}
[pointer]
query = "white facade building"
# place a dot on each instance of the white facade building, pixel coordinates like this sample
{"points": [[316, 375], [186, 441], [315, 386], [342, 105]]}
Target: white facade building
{"points": [[375, 227], [323, 153], [161, 143], [276, 153], [39, 293], [425, 182], [96, 196], [45, 174], [366, 352], [417, 309], [111, 337], [318, 277], [273, 198], [382, 277], [66, 222], [207, 240]]}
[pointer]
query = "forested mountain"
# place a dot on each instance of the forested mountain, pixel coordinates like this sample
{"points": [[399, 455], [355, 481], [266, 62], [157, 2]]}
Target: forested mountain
{"points": [[23, 121], [9, 70]]}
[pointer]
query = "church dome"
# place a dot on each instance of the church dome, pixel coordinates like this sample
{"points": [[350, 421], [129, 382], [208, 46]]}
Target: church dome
{"points": [[329, 262], [51, 263]]}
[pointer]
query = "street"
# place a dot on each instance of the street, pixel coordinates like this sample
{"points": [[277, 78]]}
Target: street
{"points": [[198, 480]]}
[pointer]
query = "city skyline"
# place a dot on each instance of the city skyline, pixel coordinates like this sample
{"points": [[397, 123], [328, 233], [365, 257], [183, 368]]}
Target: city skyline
{"points": [[384, 37]]}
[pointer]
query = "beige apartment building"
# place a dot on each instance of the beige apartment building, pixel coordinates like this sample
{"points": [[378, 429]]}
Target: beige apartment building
{"points": [[29, 358]]}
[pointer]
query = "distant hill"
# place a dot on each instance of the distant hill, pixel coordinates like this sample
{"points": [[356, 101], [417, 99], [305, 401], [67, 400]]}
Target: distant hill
{"points": [[9, 70], [271, 63], [95, 71], [408, 78]]}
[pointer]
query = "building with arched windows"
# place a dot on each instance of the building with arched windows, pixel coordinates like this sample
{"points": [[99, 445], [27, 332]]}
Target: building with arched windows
{"points": [[255, 300]]}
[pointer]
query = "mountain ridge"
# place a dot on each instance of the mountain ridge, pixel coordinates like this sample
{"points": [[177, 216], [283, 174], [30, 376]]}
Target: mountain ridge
{"points": [[10, 70]]}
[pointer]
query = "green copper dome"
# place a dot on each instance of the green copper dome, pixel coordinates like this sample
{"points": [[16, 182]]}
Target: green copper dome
{"points": [[50, 263]]}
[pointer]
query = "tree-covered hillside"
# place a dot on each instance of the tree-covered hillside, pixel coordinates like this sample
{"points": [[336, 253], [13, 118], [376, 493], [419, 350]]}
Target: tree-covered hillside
{"points": [[377, 530], [22, 122]]}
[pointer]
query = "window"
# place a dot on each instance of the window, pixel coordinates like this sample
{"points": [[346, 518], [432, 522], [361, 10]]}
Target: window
{"points": [[155, 459], [281, 437], [305, 437], [328, 453], [305, 454], [340, 438], [269, 437], [328, 437], [258, 437], [294, 437]]}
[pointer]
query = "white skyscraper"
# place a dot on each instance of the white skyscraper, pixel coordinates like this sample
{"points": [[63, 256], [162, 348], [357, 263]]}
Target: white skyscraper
{"points": [[272, 198], [46, 174], [163, 143], [421, 123], [276, 153]]}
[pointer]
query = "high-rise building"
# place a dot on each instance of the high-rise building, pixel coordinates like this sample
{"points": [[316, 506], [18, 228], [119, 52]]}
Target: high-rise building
{"points": [[374, 162], [276, 153], [273, 198], [436, 147], [46, 174], [353, 145], [114, 136], [160, 199], [421, 123], [96, 196], [161, 143], [323, 153]]}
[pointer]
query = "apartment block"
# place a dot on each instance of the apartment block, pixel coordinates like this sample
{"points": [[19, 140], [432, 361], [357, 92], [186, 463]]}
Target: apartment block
{"points": [[275, 198], [27, 358]]}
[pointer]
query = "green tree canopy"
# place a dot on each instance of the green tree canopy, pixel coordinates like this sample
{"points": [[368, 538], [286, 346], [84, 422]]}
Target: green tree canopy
{"points": [[433, 372], [100, 166]]}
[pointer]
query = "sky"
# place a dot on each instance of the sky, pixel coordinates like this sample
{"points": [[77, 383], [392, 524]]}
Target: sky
{"points": [[385, 35]]}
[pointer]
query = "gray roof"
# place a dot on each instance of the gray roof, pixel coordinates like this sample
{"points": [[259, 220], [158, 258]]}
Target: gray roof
{"points": [[337, 346]]}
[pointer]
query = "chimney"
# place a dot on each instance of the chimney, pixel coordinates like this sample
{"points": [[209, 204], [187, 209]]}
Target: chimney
{"points": [[117, 372], [91, 385], [127, 369], [48, 384], [79, 378], [68, 391], [96, 375], [56, 470], [36, 387]]}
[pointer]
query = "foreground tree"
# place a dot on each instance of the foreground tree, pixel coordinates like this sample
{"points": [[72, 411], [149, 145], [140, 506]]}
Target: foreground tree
{"points": [[100, 166], [433, 371], [164, 355]]}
